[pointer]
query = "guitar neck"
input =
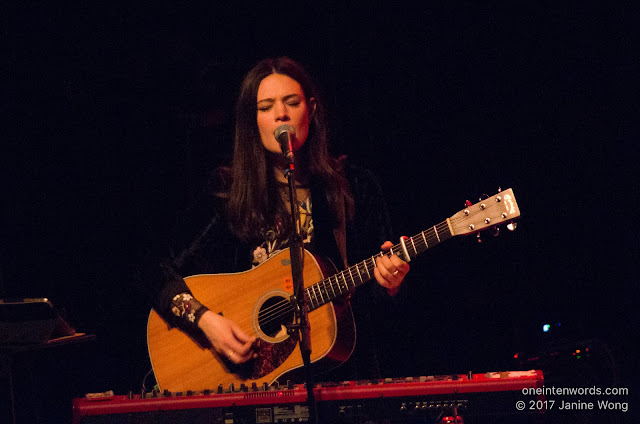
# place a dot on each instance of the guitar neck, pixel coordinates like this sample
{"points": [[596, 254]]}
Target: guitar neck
{"points": [[345, 281], [490, 212]]}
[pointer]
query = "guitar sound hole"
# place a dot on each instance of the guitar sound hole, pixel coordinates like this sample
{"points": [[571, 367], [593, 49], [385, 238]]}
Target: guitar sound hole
{"points": [[275, 313]]}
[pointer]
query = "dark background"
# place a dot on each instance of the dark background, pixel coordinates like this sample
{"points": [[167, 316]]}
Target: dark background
{"points": [[115, 113]]}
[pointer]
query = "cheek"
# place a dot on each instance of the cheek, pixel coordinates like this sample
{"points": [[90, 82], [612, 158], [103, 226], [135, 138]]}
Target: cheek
{"points": [[263, 126], [301, 137], [266, 136], [302, 131]]}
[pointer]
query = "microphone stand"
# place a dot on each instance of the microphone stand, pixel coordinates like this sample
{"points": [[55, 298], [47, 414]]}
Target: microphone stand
{"points": [[299, 300]]}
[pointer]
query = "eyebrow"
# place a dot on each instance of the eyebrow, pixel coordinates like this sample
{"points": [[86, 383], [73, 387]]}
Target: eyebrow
{"points": [[285, 98]]}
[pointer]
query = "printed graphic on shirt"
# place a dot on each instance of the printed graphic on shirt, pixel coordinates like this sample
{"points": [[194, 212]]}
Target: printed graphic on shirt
{"points": [[277, 238]]}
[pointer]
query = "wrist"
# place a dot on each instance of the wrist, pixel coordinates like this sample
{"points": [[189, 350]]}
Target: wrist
{"points": [[200, 311], [394, 291], [186, 307]]}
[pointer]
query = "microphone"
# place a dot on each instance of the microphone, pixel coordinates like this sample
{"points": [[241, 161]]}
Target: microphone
{"points": [[285, 134]]}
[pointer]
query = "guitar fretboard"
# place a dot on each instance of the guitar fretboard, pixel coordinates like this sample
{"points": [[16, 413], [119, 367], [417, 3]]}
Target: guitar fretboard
{"points": [[345, 281]]}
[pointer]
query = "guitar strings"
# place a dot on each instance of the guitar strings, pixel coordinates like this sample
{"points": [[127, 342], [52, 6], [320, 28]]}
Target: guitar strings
{"points": [[275, 311], [269, 312], [368, 263], [284, 308]]}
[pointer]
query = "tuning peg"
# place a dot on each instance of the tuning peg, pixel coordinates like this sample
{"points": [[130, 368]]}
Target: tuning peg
{"points": [[496, 231], [479, 238], [468, 203], [512, 226]]}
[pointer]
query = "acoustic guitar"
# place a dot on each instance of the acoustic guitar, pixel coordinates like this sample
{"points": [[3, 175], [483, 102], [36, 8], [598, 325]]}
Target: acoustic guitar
{"points": [[258, 301]]}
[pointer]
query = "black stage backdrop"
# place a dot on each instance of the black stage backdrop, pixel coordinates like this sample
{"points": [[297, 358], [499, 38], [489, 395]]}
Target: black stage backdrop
{"points": [[115, 113]]}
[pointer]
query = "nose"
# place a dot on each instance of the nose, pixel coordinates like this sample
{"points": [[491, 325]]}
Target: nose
{"points": [[281, 111]]}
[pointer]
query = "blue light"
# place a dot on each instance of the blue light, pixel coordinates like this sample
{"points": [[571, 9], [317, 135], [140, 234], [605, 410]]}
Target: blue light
{"points": [[546, 328]]}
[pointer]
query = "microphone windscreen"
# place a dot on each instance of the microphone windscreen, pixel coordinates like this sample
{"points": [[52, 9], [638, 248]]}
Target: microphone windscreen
{"points": [[284, 129]]}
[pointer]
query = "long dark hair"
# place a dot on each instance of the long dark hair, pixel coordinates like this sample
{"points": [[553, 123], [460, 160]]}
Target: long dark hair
{"points": [[254, 196]]}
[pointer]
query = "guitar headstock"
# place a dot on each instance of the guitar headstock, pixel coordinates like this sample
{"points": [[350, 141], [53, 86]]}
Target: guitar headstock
{"points": [[487, 213]]}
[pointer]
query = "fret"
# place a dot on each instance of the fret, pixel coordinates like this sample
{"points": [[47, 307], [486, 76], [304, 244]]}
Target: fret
{"points": [[318, 292], [346, 285], [315, 296], [414, 246], [310, 294], [321, 297], [344, 281], [316, 300], [359, 275], [436, 231], [323, 291], [310, 299], [425, 239], [352, 279], [306, 293], [373, 264], [338, 283], [367, 269], [331, 285]]}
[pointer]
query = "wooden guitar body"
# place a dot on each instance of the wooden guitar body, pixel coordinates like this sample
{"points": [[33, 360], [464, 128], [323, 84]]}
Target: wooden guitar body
{"points": [[258, 301]]}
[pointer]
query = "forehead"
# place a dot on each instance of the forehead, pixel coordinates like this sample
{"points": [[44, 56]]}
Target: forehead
{"points": [[277, 86]]}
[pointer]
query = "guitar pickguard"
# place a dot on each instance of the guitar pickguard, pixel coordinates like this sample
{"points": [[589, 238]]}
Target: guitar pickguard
{"points": [[272, 355]]}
